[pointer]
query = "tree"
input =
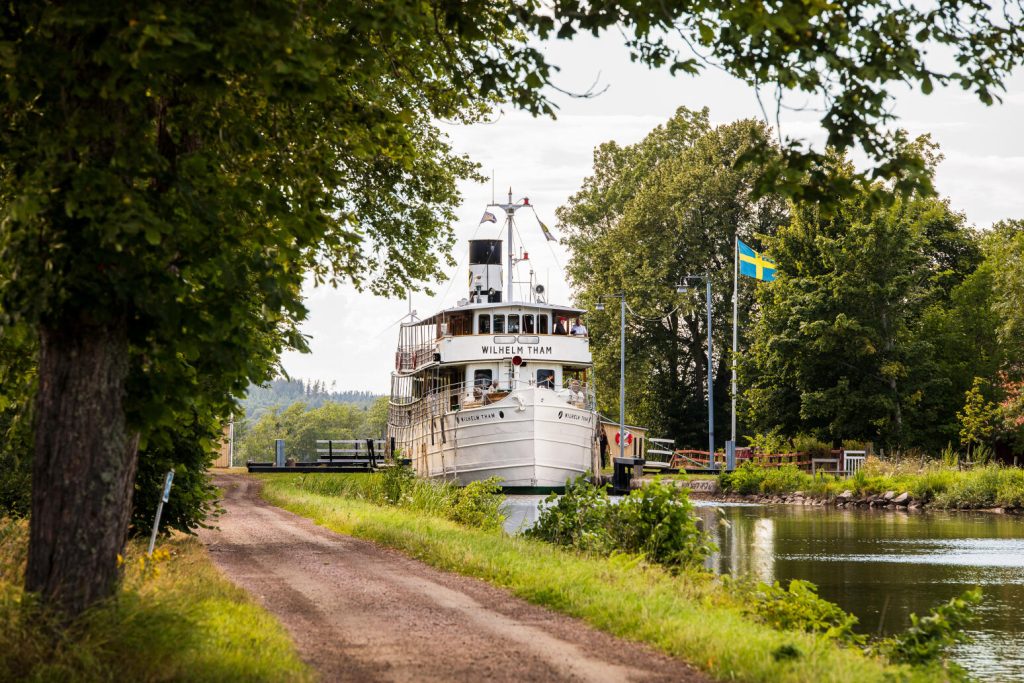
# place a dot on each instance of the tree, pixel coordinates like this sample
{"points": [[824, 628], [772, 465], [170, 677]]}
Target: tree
{"points": [[842, 346], [978, 417], [650, 214]]}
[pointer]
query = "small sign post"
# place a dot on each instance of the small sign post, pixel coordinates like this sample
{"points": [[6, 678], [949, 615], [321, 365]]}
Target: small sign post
{"points": [[160, 509]]}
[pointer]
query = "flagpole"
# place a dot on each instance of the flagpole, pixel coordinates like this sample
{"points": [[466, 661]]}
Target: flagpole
{"points": [[735, 318]]}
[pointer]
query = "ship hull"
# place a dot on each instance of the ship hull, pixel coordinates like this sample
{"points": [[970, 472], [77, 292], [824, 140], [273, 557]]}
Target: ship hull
{"points": [[531, 439]]}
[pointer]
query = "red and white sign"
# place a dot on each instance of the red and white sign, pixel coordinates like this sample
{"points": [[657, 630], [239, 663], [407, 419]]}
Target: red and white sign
{"points": [[629, 438]]}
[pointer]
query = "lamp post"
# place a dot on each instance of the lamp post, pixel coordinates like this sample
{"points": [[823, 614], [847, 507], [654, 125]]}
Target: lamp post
{"points": [[682, 288], [622, 366]]}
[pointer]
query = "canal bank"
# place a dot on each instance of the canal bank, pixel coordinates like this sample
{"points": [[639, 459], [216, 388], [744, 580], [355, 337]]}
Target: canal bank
{"points": [[882, 565]]}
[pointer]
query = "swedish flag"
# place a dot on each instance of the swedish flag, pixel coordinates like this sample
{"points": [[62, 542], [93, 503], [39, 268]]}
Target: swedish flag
{"points": [[753, 264]]}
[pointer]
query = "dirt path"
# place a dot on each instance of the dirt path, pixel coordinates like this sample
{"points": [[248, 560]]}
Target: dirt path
{"points": [[360, 612]]}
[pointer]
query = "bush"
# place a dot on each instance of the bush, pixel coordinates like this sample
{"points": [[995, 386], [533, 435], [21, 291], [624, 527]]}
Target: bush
{"points": [[973, 489], [814, 448], [1010, 492], [796, 608], [785, 479], [928, 639], [478, 504], [576, 519], [768, 443], [744, 480], [656, 521]]}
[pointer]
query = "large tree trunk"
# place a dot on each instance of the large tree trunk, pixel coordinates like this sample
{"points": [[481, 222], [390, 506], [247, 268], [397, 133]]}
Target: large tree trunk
{"points": [[84, 466]]}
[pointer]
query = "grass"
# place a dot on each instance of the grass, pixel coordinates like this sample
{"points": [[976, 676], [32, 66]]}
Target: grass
{"points": [[178, 619], [942, 486], [690, 615]]}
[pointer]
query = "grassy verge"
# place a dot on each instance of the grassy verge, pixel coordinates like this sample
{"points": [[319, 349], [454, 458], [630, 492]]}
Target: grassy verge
{"points": [[689, 615], [945, 487], [176, 619]]}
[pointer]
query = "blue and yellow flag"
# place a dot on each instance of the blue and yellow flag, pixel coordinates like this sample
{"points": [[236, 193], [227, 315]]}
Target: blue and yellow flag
{"points": [[753, 264]]}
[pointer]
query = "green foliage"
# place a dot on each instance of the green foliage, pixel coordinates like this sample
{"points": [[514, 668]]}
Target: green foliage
{"points": [[929, 638], [656, 522], [282, 392], [769, 443], [301, 427], [847, 346], [812, 447], [977, 419], [750, 478], [674, 201], [478, 504], [796, 608], [177, 618], [784, 479], [17, 391], [744, 480], [188, 449]]}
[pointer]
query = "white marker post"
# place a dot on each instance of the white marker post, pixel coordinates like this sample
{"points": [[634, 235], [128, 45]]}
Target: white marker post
{"points": [[160, 509]]}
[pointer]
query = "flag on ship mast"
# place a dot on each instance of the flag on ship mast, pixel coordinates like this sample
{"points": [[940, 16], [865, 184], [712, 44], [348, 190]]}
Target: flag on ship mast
{"points": [[547, 233], [488, 218]]}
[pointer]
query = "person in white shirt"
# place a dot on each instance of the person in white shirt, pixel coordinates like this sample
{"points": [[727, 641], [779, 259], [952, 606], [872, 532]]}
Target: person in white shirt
{"points": [[578, 329]]}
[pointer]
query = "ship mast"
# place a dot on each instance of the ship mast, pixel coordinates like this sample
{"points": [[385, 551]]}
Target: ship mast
{"points": [[510, 209]]}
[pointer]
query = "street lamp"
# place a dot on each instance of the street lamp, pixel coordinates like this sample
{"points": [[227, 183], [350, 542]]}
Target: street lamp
{"points": [[683, 287], [622, 366]]}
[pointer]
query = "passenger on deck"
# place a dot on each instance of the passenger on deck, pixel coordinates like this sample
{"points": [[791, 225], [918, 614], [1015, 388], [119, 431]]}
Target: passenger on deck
{"points": [[578, 329], [559, 326], [548, 381], [576, 393]]}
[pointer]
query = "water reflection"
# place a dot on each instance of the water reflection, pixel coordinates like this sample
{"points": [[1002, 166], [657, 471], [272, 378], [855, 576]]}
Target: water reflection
{"points": [[880, 565]]}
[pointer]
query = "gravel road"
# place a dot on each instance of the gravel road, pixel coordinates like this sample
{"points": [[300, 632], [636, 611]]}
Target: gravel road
{"points": [[361, 612]]}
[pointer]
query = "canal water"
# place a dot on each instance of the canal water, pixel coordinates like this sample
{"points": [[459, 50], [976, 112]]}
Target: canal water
{"points": [[879, 565]]}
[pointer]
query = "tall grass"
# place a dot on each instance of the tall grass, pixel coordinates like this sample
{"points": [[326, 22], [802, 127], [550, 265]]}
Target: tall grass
{"points": [[981, 487], [476, 504], [175, 619]]}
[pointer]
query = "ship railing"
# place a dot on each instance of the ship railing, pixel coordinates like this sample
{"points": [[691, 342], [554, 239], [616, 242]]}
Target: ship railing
{"points": [[409, 411]]}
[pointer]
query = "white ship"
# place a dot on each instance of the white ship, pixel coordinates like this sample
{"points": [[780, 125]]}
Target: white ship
{"points": [[493, 386]]}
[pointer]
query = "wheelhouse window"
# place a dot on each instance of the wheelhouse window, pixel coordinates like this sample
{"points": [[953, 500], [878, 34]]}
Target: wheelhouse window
{"points": [[546, 378], [513, 323], [542, 324], [528, 327], [483, 324], [482, 378], [499, 324]]}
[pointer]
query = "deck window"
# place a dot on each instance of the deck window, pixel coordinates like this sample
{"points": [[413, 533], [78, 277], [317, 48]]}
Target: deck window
{"points": [[542, 324], [483, 324], [499, 324], [482, 378], [513, 323], [528, 323]]}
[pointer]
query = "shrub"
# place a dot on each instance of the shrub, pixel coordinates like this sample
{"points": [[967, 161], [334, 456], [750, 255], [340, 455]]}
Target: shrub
{"points": [[785, 479], [658, 521], [796, 608], [1010, 492], [973, 489], [769, 442], [744, 480], [928, 639], [577, 519], [478, 504], [814, 448]]}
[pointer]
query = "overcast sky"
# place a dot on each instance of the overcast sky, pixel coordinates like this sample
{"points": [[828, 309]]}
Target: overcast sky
{"points": [[353, 334]]}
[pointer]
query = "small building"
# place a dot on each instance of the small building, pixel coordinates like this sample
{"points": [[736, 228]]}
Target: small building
{"points": [[636, 449], [226, 449]]}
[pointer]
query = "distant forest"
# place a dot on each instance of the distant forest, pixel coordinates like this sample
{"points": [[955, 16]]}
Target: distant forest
{"points": [[281, 393]]}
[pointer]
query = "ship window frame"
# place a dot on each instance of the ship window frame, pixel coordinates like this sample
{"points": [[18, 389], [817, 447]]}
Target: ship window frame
{"points": [[478, 376], [529, 326], [483, 323], [498, 324], [508, 323], [542, 323], [554, 375]]}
